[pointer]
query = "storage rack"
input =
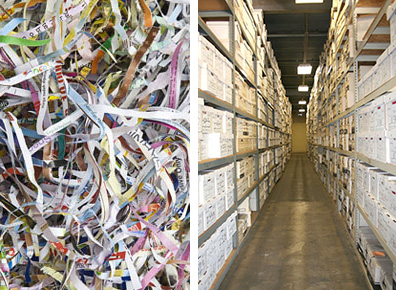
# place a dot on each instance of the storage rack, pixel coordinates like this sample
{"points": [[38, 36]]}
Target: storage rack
{"points": [[324, 118], [224, 10]]}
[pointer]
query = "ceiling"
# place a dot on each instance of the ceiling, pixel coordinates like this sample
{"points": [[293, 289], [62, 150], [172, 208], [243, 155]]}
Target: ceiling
{"points": [[287, 23]]}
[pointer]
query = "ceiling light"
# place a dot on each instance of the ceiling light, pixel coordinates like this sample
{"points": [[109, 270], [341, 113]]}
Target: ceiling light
{"points": [[303, 88], [300, 114], [304, 69], [302, 102], [301, 110], [308, 1]]}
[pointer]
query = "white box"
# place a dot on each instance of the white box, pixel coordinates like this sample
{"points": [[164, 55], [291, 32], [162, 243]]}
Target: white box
{"points": [[392, 233], [230, 176], [220, 181], [229, 246], [220, 241], [202, 259], [385, 197], [378, 116], [360, 196], [228, 119], [383, 223], [231, 225], [374, 182], [391, 147], [384, 66], [390, 105], [210, 214], [206, 119], [206, 52], [370, 207], [202, 147], [391, 192], [217, 121], [207, 186], [221, 30], [229, 198], [208, 80], [380, 148], [201, 225], [220, 205], [213, 147]]}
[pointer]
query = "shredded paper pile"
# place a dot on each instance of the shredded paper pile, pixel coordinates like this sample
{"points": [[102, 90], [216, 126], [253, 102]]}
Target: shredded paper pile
{"points": [[94, 143]]}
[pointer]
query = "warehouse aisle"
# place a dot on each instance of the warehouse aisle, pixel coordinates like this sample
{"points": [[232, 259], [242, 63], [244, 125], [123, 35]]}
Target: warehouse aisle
{"points": [[300, 242]]}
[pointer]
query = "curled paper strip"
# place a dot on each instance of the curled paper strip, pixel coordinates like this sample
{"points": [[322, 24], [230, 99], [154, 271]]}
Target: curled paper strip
{"points": [[94, 144]]}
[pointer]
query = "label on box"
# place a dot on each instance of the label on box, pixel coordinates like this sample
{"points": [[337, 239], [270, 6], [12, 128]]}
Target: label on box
{"points": [[210, 214], [229, 198], [220, 205]]}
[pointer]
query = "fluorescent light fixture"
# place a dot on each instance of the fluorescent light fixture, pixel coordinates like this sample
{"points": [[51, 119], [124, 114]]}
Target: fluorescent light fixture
{"points": [[302, 102], [308, 1], [301, 110], [304, 69], [300, 114], [303, 88]]}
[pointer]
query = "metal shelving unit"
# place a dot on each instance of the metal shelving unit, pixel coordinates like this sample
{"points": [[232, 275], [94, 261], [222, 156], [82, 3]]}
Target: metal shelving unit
{"points": [[324, 126], [222, 9]]}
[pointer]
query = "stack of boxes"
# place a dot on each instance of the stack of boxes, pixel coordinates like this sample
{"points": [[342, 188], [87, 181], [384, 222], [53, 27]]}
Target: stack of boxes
{"points": [[377, 128], [347, 134], [378, 263], [346, 93], [214, 252], [245, 175], [376, 195], [214, 72], [215, 195], [246, 134]]}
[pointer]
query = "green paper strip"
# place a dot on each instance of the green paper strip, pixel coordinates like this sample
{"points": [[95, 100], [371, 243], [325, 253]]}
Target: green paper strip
{"points": [[22, 41]]}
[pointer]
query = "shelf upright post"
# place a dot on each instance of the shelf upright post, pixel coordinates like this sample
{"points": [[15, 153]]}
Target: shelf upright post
{"points": [[356, 75], [234, 129], [257, 174]]}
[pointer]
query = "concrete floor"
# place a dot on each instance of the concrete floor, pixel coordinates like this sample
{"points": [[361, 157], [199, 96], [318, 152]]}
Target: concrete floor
{"points": [[299, 242]]}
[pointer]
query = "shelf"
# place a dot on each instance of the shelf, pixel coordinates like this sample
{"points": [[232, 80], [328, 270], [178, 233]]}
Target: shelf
{"points": [[347, 153], [344, 189], [202, 25], [214, 162], [373, 26], [214, 5], [212, 99], [266, 124], [384, 166], [244, 154], [340, 116], [244, 75], [390, 84], [246, 114], [247, 193], [266, 174], [212, 229], [223, 271], [383, 243], [244, 33]]}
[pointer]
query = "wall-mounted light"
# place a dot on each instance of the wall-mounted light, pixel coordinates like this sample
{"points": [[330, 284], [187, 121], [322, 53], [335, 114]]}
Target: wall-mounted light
{"points": [[304, 69], [301, 110], [302, 102], [303, 88], [308, 1]]}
